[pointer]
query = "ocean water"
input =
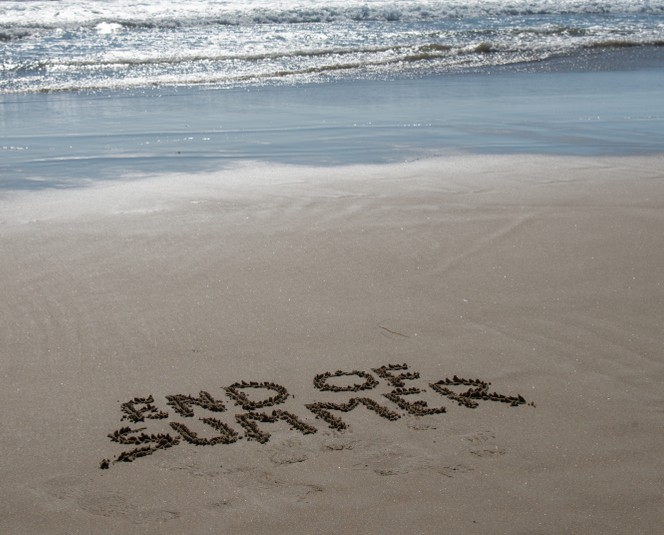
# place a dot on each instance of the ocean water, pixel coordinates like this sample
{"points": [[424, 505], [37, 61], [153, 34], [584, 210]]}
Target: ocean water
{"points": [[95, 90], [117, 44]]}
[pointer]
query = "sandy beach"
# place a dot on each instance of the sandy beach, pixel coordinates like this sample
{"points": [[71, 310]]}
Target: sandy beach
{"points": [[147, 302]]}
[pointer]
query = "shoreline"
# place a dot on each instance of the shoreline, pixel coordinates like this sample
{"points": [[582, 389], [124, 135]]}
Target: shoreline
{"points": [[539, 274], [68, 140]]}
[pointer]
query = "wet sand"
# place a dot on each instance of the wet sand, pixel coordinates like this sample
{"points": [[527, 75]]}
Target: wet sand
{"points": [[343, 298]]}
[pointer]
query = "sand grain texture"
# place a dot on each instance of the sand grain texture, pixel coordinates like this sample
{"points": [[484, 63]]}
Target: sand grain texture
{"points": [[540, 275]]}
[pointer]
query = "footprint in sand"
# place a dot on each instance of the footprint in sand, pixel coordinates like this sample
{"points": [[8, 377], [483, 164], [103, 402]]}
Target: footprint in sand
{"points": [[398, 461], [220, 504], [454, 470], [111, 504], [340, 443], [255, 482], [483, 444], [480, 437], [63, 487], [289, 452], [489, 451], [416, 424], [70, 491]]}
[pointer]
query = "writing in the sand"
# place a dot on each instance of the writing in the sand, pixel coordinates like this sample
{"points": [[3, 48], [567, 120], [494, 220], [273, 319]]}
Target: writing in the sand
{"points": [[465, 392]]}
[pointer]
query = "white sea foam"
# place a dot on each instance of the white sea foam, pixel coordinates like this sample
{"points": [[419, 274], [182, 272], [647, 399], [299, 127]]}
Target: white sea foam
{"points": [[77, 45], [68, 13]]}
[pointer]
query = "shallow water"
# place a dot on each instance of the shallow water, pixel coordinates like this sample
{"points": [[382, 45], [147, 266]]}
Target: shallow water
{"points": [[66, 139], [93, 90]]}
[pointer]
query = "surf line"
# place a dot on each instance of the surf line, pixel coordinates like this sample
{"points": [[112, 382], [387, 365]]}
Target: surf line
{"points": [[465, 392]]}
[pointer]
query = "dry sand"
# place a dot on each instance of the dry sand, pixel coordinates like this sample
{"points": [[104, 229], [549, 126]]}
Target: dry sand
{"points": [[541, 275]]}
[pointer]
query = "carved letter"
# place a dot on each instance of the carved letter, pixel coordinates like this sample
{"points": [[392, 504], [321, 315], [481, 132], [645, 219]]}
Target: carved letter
{"points": [[385, 372], [322, 410], [147, 444], [240, 398], [227, 436], [252, 432], [417, 408], [479, 390], [138, 414], [320, 381], [182, 404]]}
